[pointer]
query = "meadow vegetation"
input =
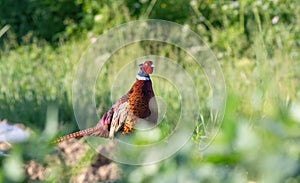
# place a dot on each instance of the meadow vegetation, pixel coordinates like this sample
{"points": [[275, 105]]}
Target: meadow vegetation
{"points": [[257, 44]]}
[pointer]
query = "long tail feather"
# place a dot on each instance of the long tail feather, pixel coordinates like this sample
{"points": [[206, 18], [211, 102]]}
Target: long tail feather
{"points": [[96, 131]]}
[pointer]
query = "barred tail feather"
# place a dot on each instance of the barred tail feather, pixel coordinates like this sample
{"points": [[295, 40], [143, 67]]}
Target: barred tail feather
{"points": [[78, 134]]}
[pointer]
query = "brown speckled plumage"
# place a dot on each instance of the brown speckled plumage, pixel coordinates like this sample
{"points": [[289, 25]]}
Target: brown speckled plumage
{"points": [[124, 114]]}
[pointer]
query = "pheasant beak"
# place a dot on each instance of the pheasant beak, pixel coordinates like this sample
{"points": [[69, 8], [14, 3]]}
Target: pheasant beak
{"points": [[152, 65]]}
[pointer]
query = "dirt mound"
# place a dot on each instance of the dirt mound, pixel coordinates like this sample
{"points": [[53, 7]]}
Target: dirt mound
{"points": [[78, 158]]}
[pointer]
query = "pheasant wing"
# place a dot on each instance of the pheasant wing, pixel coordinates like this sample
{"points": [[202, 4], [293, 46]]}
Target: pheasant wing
{"points": [[116, 116]]}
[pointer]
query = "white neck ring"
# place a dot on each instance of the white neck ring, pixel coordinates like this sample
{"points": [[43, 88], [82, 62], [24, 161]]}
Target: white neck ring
{"points": [[142, 78]]}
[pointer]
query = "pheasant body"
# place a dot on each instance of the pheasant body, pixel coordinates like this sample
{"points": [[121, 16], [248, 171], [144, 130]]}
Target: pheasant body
{"points": [[127, 111]]}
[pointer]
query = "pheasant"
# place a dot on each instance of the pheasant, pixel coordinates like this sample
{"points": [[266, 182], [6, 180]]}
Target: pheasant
{"points": [[127, 111]]}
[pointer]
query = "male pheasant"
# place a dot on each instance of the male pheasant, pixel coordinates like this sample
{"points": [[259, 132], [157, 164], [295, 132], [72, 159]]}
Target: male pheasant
{"points": [[127, 111]]}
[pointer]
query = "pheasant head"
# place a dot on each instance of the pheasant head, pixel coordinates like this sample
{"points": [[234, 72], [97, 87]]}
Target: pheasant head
{"points": [[145, 69]]}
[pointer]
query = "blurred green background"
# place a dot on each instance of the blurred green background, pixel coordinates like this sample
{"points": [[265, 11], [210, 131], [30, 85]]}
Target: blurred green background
{"points": [[257, 44]]}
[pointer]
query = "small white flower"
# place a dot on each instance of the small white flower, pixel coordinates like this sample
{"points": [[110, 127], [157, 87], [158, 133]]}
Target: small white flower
{"points": [[193, 3], [185, 28], [275, 19], [98, 18], [93, 39]]}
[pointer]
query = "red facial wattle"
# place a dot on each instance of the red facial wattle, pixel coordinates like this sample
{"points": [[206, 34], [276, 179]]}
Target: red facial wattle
{"points": [[148, 67], [148, 70]]}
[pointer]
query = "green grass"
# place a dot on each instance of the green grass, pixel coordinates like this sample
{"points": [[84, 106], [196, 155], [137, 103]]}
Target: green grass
{"points": [[259, 137]]}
